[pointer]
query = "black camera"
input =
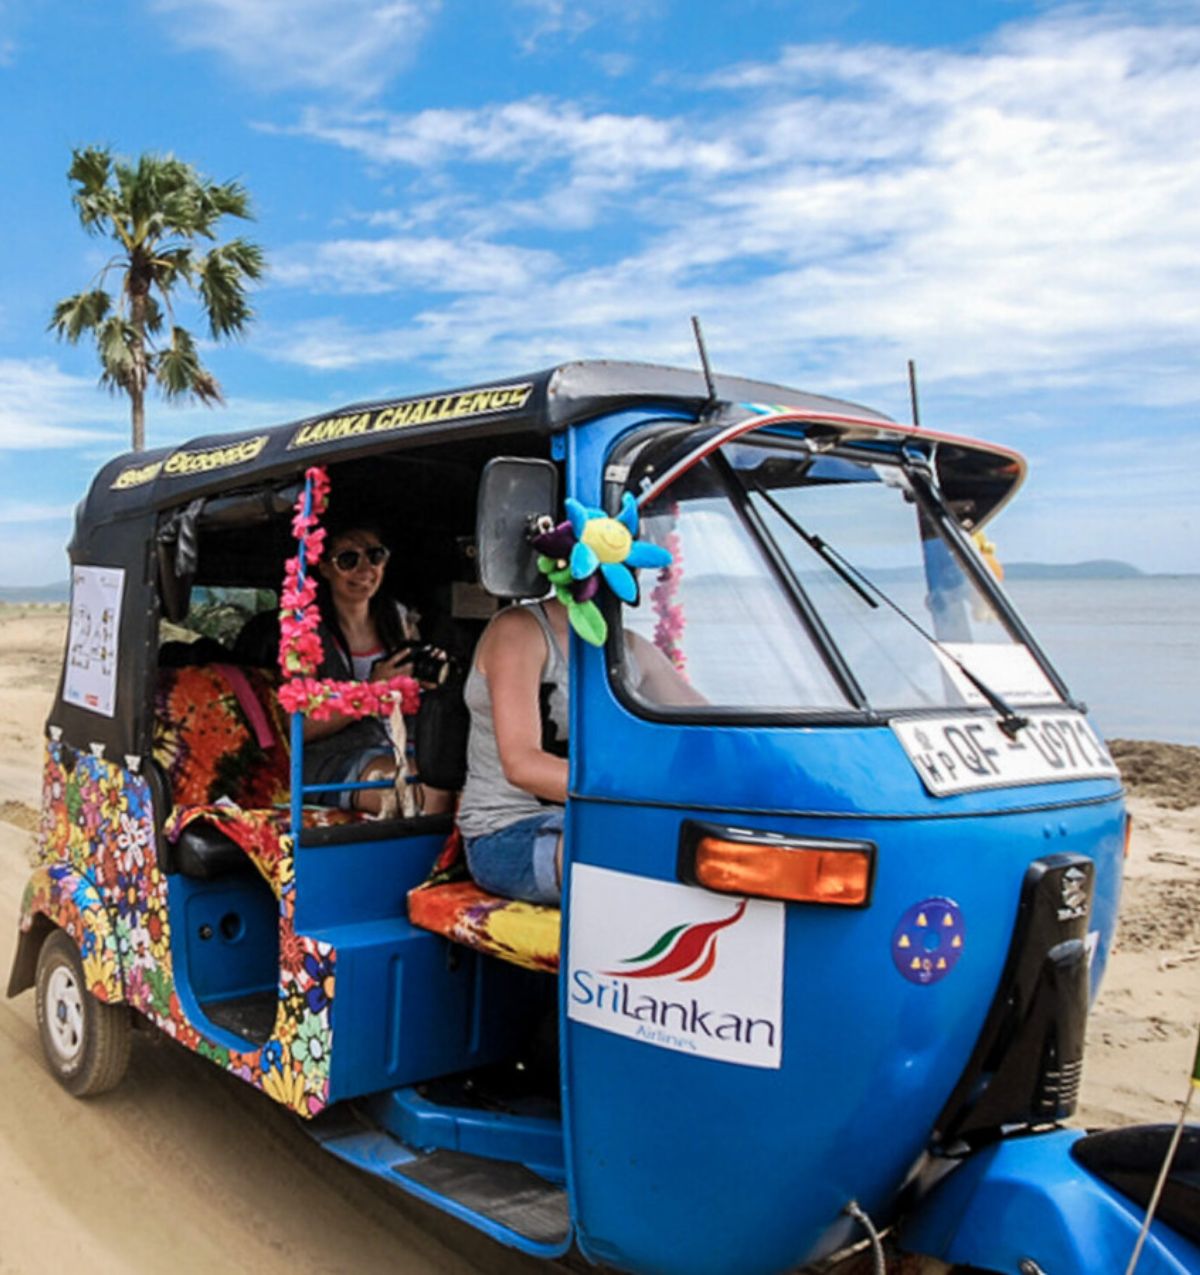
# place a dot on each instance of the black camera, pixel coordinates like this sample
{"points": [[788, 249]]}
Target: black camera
{"points": [[430, 665]]}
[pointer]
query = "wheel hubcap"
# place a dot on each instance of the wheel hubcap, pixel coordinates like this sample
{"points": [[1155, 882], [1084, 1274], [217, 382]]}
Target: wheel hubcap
{"points": [[64, 1005]]}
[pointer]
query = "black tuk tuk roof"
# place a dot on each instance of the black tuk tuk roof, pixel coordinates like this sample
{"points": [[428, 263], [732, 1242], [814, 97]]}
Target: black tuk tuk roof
{"points": [[546, 402]]}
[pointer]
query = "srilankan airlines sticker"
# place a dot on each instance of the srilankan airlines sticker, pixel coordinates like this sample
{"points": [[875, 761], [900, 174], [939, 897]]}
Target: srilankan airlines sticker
{"points": [[676, 967]]}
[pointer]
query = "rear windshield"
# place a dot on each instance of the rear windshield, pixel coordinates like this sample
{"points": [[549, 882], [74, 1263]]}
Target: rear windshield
{"points": [[790, 575]]}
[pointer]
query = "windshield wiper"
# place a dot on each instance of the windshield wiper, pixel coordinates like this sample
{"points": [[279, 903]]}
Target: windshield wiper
{"points": [[1011, 722]]}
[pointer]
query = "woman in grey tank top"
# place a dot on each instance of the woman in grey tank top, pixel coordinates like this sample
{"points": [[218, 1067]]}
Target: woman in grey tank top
{"points": [[511, 813]]}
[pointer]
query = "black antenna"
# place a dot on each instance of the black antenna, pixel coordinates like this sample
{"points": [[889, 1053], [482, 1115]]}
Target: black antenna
{"points": [[912, 394], [708, 376]]}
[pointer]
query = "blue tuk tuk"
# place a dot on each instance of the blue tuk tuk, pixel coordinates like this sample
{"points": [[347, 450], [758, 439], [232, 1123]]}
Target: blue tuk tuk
{"points": [[831, 921]]}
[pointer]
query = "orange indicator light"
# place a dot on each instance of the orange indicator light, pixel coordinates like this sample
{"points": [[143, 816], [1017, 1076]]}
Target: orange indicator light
{"points": [[1128, 834], [794, 871]]}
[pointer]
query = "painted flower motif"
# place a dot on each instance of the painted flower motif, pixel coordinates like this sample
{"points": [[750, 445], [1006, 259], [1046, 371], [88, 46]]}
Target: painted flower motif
{"points": [[311, 1047], [159, 930], [286, 1027], [113, 801], [286, 1086], [272, 1056], [291, 949], [97, 835], [132, 841], [140, 953], [137, 991], [121, 928], [108, 874], [127, 902], [317, 980], [217, 1053], [188, 1036], [96, 977]]}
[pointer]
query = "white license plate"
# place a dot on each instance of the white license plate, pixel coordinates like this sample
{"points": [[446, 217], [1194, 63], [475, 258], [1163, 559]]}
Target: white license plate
{"points": [[959, 753]]}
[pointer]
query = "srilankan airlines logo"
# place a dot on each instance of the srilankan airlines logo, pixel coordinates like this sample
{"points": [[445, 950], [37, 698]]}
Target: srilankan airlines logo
{"points": [[689, 952], [719, 1016]]}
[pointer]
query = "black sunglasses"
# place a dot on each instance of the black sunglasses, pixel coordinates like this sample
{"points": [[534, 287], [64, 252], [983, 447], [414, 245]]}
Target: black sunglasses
{"points": [[347, 559]]}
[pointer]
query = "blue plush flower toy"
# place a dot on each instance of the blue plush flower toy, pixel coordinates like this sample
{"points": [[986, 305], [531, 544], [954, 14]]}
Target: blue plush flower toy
{"points": [[589, 545]]}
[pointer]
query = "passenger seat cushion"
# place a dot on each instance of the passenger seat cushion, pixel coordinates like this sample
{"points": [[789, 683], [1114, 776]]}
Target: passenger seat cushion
{"points": [[449, 903], [261, 834], [525, 934], [219, 732]]}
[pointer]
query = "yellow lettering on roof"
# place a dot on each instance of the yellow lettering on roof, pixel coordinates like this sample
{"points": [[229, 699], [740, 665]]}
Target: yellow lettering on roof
{"points": [[136, 475], [415, 411], [184, 463]]}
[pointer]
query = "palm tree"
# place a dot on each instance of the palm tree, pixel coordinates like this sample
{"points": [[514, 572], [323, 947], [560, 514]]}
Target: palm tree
{"points": [[156, 210]]}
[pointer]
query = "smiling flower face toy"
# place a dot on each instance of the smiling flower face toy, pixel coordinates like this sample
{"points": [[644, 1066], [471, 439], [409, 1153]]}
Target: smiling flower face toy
{"points": [[590, 545]]}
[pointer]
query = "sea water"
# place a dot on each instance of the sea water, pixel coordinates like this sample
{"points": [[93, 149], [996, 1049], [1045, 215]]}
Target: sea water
{"points": [[1129, 648]]}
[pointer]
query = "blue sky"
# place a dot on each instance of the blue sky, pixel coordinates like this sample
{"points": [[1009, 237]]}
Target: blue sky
{"points": [[1006, 192]]}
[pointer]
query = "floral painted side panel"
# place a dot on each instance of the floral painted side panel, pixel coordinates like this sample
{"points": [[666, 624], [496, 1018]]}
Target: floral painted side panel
{"points": [[98, 824], [71, 902]]}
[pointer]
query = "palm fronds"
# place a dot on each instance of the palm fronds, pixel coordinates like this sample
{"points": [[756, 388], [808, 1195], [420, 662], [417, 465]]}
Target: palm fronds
{"points": [[156, 209]]}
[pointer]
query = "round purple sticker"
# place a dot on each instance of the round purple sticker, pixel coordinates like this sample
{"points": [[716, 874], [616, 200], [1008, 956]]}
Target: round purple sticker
{"points": [[928, 940]]}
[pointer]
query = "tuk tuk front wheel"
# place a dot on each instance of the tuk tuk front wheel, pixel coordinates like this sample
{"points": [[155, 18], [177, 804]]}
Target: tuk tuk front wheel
{"points": [[85, 1042]]}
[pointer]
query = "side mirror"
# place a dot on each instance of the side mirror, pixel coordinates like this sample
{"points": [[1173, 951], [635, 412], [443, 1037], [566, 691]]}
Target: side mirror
{"points": [[513, 491]]}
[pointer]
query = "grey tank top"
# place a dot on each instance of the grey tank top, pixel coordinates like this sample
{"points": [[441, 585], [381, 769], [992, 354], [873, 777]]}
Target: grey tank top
{"points": [[489, 802]]}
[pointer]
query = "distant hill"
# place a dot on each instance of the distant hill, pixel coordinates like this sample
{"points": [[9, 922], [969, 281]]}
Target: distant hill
{"points": [[60, 592], [1096, 569]]}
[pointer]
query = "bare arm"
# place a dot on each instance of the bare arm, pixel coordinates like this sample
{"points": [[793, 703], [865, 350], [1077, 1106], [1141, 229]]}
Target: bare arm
{"points": [[511, 659], [661, 680]]}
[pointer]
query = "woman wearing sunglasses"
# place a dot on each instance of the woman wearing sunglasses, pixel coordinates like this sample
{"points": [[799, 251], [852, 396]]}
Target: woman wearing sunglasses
{"points": [[366, 635]]}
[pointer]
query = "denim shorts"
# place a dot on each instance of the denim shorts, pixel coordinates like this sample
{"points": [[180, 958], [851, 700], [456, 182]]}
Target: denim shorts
{"points": [[352, 773], [518, 861]]}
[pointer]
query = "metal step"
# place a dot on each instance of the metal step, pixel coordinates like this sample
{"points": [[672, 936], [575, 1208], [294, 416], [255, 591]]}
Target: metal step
{"points": [[503, 1199]]}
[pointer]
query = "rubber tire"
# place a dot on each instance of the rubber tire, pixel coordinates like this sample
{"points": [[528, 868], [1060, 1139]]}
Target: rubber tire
{"points": [[103, 1055]]}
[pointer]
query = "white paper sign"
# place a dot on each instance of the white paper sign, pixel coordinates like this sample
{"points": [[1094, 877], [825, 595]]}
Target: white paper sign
{"points": [[1007, 668], [676, 967], [91, 679]]}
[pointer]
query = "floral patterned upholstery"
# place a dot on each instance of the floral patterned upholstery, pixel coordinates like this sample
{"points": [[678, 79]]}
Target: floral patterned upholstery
{"points": [[221, 738], [448, 902], [219, 733]]}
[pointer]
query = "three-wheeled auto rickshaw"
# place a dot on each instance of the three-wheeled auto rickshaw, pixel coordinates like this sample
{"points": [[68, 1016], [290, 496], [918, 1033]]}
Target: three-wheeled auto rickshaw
{"points": [[830, 921]]}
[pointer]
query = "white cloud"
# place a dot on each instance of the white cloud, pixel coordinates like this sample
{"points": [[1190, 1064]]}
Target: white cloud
{"points": [[439, 265], [43, 407], [552, 20], [525, 134], [350, 47], [1027, 212]]}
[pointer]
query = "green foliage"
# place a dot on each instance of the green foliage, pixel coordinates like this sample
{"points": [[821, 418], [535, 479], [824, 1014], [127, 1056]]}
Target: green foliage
{"points": [[220, 613], [155, 211]]}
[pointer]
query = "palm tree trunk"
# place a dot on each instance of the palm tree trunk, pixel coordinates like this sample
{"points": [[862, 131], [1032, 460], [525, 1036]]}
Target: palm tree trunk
{"points": [[137, 385], [137, 399]]}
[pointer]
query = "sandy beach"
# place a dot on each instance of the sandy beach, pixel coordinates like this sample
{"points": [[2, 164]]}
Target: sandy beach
{"points": [[186, 1168]]}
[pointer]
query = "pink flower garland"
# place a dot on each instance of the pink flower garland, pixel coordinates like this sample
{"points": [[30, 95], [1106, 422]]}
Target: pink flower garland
{"points": [[671, 620], [300, 648]]}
